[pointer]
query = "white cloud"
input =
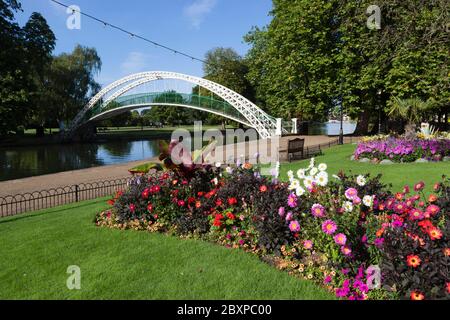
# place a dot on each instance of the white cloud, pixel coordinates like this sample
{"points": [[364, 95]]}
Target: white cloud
{"points": [[197, 11], [135, 62]]}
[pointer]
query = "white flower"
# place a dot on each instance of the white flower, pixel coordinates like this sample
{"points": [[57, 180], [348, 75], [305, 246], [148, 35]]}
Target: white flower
{"points": [[216, 181], [229, 170], [322, 179], [300, 191], [301, 174], [368, 201], [313, 162], [336, 177], [313, 171], [348, 206], [278, 165], [294, 184], [218, 164], [323, 167], [308, 182], [361, 181], [290, 175]]}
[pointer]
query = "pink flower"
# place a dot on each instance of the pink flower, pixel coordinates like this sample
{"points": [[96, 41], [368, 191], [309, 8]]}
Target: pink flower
{"points": [[294, 226], [340, 239], [292, 200], [181, 203], [419, 186], [351, 193], [327, 280], [433, 210], [346, 250], [329, 227], [132, 208], [416, 214], [356, 200], [318, 211], [308, 244], [281, 212], [289, 216]]}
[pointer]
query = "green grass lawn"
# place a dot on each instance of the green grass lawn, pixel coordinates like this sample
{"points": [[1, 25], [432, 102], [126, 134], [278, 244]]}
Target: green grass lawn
{"points": [[36, 250], [338, 158]]}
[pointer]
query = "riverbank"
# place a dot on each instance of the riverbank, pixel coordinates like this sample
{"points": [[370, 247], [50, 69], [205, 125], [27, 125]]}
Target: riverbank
{"points": [[68, 178], [117, 171]]}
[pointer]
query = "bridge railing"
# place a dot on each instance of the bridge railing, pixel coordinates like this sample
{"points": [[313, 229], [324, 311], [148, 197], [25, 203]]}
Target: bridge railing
{"points": [[193, 100]]}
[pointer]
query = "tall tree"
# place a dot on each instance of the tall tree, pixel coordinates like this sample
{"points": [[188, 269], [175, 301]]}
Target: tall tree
{"points": [[71, 82]]}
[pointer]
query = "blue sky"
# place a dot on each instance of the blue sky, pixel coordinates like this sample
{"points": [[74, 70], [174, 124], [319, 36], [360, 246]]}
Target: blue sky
{"points": [[192, 26]]}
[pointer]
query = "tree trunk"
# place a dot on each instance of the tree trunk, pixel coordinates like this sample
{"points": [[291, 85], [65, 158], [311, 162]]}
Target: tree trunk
{"points": [[362, 127]]}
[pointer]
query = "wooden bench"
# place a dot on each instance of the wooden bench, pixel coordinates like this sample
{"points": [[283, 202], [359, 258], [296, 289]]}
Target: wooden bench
{"points": [[294, 147]]}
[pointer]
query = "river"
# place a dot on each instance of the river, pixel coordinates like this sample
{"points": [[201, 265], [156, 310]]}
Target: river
{"points": [[21, 162]]}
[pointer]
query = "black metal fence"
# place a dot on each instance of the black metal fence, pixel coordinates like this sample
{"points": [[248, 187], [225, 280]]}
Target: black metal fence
{"points": [[28, 202]]}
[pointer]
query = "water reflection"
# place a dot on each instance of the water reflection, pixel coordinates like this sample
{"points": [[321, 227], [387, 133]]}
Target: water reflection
{"points": [[20, 162]]}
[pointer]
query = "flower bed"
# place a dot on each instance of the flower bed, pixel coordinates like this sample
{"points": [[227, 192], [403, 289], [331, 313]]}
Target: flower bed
{"points": [[403, 150], [338, 231]]}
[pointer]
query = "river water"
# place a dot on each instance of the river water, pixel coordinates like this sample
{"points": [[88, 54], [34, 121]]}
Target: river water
{"points": [[21, 162]]}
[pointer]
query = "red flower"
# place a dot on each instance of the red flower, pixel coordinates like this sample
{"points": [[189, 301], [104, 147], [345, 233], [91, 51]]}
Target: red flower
{"points": [[181, 203], [150, 207], [132, 208], [419, 186], [200, 194], [219, 202], [406, 189], [437, 187], [426, 224], [191, 200], [145, 194], [217, 223], [448, 287], [399, 196], [111, 202], [198, 204], [413, 261], [231, 216], [263, 189], [435, 233], [417, 295], [219, 217], [232, 201]]}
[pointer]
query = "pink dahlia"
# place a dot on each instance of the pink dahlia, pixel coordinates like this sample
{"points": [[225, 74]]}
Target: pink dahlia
{"points": [[340, 239], [292, 200], [294, 226], [329, 227], [308, 244], [318, 211], [346, 250], [351, 193]]}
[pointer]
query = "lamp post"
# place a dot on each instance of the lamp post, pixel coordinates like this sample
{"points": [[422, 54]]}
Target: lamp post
{"points": [[341, 131]]}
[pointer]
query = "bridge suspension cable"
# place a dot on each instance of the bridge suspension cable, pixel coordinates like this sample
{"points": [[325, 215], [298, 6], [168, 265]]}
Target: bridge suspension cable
{"points": [[121, 29]]}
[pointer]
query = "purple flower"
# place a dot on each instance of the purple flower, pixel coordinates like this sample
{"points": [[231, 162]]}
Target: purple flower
{"points": [[327, 280], [379, 242]]}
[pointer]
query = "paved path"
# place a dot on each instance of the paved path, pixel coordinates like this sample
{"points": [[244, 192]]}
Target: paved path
{"points": [[69, 178]]}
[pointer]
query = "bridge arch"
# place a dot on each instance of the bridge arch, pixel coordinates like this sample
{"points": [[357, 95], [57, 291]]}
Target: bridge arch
{"points": [[255, 117]]}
